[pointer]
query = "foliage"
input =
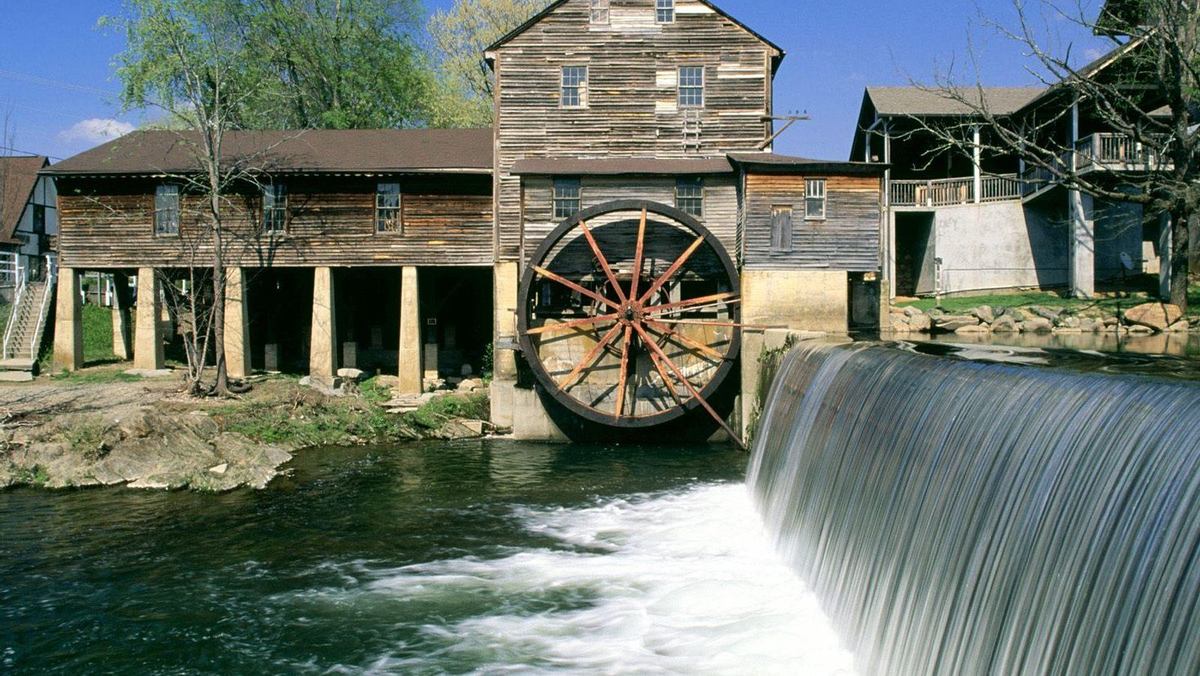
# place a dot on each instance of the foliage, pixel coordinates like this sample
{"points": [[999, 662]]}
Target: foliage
{"points": [[5, 313], [86, 437], [97, 339], [440, 411], [769, 362], [462, 89], [96, 377]]}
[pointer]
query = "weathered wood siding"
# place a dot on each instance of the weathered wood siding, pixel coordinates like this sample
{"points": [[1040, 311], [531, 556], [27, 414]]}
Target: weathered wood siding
{"points": [[848, 238], [632, 106], [447, 221]]}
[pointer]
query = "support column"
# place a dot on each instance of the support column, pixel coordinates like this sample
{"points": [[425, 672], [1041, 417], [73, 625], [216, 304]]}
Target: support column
{"points": [[977, 158], [1165, 240], [1083, 245], [237, 324], [322, 355], [122, 338], [68, 323], [504, 356], [148, 344], [410, 332]]}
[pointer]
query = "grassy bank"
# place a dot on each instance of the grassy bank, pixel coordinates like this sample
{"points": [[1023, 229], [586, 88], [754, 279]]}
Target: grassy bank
{"points": [[1077, 306], [97, 340]]}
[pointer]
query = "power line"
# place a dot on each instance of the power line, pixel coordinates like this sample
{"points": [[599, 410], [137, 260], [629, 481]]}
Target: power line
{"points": [[47, 82], [26, 152]]}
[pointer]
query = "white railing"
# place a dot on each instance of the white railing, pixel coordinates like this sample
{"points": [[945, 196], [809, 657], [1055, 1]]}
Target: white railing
{"points": [[17, 272], [953, 191], [47, 297]]}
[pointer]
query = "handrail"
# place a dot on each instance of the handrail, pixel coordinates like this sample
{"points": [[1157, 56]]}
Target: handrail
{"points": [[16, 306], [51, 279], [953, 191]]}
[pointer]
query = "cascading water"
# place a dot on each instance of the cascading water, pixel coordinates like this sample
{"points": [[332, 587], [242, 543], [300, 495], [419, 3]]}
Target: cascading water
{"points": [[959, 518]]}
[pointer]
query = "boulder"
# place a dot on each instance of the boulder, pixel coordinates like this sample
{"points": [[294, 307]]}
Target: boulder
{"points": [[973, 330], [1067, 322], [952, 323], [1091, 326], [1037, 325], [1051, 313], [1140, 330], [897, 324], [1156, 316], [1005, 324], [1017, 316], [984, 313], [469, 385], [1178, 327], [921, 324], [1067, 331], [911, 311], [352, 375]]}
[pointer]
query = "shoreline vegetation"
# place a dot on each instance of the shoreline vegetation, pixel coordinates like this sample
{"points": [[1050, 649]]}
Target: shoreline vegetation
{"points": [[105, 427]]}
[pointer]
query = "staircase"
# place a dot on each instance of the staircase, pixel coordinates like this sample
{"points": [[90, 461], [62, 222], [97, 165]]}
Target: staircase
{"points": [[26, 327]]}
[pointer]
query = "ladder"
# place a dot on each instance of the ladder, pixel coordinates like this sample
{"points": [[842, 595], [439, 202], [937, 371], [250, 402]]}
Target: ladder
{"points": [[692, 130]]}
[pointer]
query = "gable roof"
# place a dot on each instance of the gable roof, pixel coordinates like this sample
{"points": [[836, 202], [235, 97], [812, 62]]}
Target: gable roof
{"points": [[18, 178], [771, 163], [775, 61], [917, 101], [313, 151]]}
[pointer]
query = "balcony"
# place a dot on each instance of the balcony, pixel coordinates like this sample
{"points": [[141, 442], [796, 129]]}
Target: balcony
{"points": [[1098, 152], [954, 191]]}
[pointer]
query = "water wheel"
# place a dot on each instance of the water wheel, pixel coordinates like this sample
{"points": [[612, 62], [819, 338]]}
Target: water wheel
{"points": [[630, 315]]}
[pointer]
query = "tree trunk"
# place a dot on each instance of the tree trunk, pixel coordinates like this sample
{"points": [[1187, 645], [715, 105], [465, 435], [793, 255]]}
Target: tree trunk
{"points": [[221, 386], [1181, 218]]}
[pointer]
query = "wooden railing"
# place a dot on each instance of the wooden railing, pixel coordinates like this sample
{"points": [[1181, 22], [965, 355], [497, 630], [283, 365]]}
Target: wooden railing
{"points": [[1098, 152], [953, 191]]}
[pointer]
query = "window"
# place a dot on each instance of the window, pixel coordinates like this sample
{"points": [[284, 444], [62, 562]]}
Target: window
{"points": [[781, 229], [689, 196], [691, 86], [387, 208], [665, 11], [600, 11], [39, 219], [166, 210], [574, 86], [814, 199], [566, 198], [275, 208]]}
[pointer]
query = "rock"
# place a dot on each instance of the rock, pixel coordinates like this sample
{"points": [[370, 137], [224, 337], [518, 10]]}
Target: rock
{"points": [[984, 314], [896, 324], [460, 429], [1005, 324], [1156, 316], [973, 330], [150, 373], [352, 375], [1018, 316], [911, 312], [896, 310], [1046, 312], [1090, 326], [952, 323], [936, 312], [220, 469], [1067, 331], [388, 381], [1037, 325], [921, 324], [467, 371], [1067, 322], [1140, 330], [469, 385], [1178, 327], [1000, 310]]}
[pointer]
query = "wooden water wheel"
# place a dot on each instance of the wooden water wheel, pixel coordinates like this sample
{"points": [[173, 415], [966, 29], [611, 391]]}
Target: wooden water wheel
{"points": [[630, 315]]}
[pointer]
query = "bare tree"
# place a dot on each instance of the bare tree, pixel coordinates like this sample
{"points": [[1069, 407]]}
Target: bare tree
{"points": [[1147, 90]]}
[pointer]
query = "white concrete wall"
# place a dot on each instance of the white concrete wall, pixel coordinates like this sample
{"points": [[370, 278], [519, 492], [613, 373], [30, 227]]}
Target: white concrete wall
{"points": [[999, 246]]}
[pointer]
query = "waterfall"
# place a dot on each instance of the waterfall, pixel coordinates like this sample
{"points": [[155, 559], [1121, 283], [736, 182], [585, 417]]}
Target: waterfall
{"points": [[962, 518]]}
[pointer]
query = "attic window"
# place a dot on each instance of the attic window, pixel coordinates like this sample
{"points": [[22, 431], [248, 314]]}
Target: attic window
{"points": [[599, 11], [664, 11]]}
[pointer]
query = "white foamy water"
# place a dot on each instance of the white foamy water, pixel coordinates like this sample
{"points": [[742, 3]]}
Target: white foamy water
{"points": [[683, 583]]}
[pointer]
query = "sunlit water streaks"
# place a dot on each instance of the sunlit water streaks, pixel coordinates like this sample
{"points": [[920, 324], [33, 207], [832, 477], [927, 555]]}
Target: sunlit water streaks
{"points": [[959, 518]]}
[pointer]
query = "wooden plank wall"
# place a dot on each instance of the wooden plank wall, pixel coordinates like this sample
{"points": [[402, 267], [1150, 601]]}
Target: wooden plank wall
{"points": [[848, 238], [447, 221], [632, 64]]}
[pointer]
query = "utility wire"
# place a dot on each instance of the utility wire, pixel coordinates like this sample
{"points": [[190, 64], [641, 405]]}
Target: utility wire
{"points": [[47, 82], [26, 152]]}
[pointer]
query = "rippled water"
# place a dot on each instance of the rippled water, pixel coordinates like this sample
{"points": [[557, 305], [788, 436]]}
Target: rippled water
{"points": [[473, 557]]}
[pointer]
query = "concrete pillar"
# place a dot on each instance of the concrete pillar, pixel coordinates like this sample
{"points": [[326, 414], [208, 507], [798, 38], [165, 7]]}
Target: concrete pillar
{"points": [[410, 332], [1083, 245], [237, 324], [322, 355], [977, 160], [122, 337], [1165, 240], [68, 323], [506, 282], [148, 344]]}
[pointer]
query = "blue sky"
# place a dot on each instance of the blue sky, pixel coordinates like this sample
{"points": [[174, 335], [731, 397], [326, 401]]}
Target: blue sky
{"points": [[57, 87]]}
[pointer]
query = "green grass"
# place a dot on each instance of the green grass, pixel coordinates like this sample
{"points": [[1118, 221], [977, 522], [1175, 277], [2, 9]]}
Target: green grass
{"points": [[97, 339], [1077, 306], [440, 411], [96, 377], [5, 312]]}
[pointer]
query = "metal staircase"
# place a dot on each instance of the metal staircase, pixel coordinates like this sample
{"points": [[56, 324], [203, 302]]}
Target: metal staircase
{"points": [[27, 324]]}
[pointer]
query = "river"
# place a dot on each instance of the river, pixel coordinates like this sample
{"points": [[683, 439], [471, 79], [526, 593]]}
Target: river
{"points": [[478, 557]]}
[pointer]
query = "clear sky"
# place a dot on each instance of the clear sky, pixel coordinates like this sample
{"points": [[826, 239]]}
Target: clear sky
{"points": [[57, 87]]}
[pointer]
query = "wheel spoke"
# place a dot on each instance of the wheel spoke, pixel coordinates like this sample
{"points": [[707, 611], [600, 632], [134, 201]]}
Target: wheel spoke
{"points": [[701, 322], [591, 356], [571, 325], [637, 257], [686, 383], [575, 287], [624, 372], [720, 298], [662, 372], [612, 278], [666, 276], [675, 335]]}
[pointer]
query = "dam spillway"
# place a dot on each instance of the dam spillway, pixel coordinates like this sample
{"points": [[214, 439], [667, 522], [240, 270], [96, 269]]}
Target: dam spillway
{"points": [[966, 518]]}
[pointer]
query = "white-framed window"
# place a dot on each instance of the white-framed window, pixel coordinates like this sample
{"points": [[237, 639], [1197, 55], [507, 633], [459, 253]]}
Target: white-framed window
{"points": [[166, 209], [691, 87], [814, 199], [689, 196], [781, 229], [275, 210], [387, 208], [574, 86], [664, 11], [568, 194], [599, 11]]}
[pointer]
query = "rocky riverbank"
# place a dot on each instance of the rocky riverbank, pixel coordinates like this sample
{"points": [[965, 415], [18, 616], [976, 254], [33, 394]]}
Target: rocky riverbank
{"points": [[147, 435], [1145, 319]]}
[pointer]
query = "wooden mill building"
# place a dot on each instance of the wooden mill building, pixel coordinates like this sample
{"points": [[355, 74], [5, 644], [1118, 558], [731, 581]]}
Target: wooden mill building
{"points": [[405, 250]]}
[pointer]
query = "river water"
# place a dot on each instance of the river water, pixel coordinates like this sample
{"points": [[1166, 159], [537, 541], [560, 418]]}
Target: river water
{"points": [[477, 557]]}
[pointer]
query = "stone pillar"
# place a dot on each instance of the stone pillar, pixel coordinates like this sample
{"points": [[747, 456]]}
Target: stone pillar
{"points": [[506, 281], [68, 323], [1083, 244], [148, 344], [322, 355], [237, 324], [1165, 240], [410, 332], [122, 338]]}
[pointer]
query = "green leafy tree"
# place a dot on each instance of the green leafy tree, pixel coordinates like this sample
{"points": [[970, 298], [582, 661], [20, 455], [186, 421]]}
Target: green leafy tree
{"points": [[462, 90]]}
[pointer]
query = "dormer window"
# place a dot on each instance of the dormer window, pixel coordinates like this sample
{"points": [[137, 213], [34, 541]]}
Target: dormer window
{"points": [[664, 11], [600, 11], [574, 86]]}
